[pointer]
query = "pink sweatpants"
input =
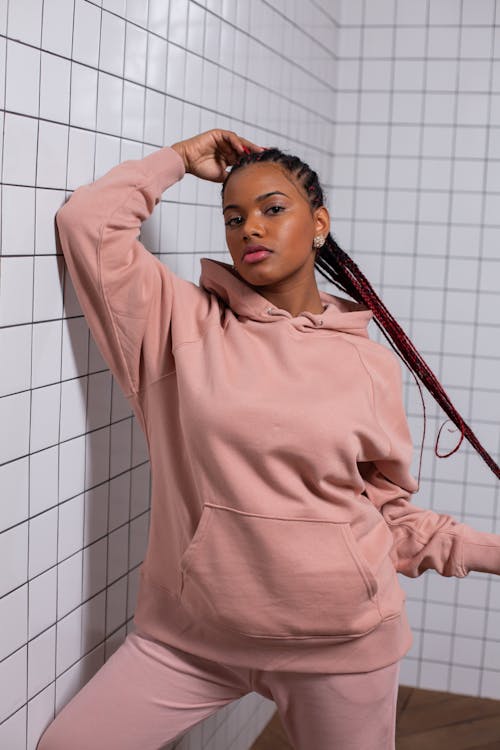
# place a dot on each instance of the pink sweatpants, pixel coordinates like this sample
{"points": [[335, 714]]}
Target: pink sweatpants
{"points": [[148, 694]]}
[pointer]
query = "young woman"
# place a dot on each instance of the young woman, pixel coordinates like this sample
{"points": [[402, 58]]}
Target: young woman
{"points": [[280, 458]]}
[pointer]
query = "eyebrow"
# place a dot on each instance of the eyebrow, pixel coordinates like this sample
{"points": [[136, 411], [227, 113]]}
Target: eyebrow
{"points": [[259, 198]]}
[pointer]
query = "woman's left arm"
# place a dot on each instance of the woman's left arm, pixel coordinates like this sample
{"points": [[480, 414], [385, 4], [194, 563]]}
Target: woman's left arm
{"points": [[423, 538]]}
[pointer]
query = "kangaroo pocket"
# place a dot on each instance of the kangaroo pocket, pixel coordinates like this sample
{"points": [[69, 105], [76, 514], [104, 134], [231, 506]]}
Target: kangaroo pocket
{"points": [[272, 577]]}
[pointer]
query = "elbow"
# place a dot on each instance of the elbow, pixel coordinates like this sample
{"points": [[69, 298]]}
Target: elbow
{"points": [[74, 208]]}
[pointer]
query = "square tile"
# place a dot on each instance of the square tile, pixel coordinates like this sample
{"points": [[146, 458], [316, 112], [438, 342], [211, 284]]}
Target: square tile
{"points": [[135, 54], [69, 584], [54, 87], [48, 298], [140, 490], [116, 612], [176, 64], [14, 426], [178, 21], [15, 345], [83, 97], [118, 551], [154, 118], [52, 155], [19, 153], [71, 467], [139, 528], [40, 714], [94, 568], [13, 687], [3, 63], [42, 602], [43, 542], [46, 347], [97, 461], [25, 21], [44, 425], [70, 531], [14, 496], [23, 74], [112, 50], [43, 480], [467, 652], [47, 203], [133, 111], [98, 407], [57, 31], [41, 661], [109, 104], [93, 622], [158, 17], [14, 614], [107, 154], [75, 347], [86, 33], [80, 158], [13, 557], [137, 12], [13, 731], [73, 408], [156, 62], [96, 511], [69, 635], [18, 221]]}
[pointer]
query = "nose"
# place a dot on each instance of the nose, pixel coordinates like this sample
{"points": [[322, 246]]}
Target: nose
{"points": [[252, 227]]}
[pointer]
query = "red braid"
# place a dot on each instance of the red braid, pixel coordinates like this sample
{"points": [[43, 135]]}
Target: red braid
{"points": [[350, 279]]}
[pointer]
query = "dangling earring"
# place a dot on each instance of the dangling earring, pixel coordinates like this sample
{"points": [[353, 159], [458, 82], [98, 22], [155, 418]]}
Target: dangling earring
{"points": [[318, 241]]}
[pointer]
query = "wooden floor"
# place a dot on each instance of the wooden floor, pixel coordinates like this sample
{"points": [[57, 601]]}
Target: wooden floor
{"points": [[426, 720]]}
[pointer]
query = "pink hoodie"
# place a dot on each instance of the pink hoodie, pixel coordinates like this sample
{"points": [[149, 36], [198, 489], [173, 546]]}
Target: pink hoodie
{"points": [[279, 449]]}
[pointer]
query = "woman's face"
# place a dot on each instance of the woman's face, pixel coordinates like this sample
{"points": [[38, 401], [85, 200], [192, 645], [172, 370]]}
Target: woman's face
{"points": [[263, 205]]}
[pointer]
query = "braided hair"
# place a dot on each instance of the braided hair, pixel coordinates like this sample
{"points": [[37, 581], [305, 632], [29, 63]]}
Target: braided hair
{"points": [[338, 267]]}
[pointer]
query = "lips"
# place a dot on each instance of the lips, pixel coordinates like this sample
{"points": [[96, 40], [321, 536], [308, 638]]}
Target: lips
{"points": [[254, 249]]}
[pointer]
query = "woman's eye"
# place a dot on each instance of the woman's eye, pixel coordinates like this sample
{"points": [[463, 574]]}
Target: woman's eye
{"points": [[230, 223], [235, 221]]}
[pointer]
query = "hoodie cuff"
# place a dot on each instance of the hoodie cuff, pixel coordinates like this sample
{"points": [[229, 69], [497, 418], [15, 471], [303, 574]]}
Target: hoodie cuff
{"points": [[165, 166], [480, 551]]}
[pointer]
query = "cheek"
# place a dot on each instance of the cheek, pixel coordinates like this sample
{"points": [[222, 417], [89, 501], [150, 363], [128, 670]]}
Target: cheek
{"points": [[299, 234]]}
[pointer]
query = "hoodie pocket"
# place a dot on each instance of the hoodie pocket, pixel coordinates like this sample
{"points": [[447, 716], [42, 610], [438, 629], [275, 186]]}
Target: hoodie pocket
{"points": [[272, 577]]}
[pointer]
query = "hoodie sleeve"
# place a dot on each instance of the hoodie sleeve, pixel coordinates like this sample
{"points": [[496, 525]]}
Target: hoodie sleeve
{"points": [[128, 296], [423, 539]]}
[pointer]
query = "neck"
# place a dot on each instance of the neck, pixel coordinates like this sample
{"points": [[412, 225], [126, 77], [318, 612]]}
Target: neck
{"points": [[295, 300]]}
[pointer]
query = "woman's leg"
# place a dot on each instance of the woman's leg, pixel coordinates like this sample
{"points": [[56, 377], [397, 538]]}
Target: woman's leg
{"points": [[144, 696], [335, 711]]}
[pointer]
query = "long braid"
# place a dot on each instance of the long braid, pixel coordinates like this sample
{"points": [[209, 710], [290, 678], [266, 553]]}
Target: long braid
{"points": [[337, 267]]}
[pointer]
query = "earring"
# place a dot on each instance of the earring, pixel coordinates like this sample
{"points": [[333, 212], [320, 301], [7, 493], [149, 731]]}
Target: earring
{"points": [[318, 241]]}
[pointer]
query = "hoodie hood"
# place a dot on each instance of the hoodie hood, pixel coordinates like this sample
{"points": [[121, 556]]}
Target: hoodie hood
{"points": [[339, 314]]}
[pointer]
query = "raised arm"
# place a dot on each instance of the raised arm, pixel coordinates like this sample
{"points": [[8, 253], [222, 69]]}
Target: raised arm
{"points": [[125, 292], [129, 298]]}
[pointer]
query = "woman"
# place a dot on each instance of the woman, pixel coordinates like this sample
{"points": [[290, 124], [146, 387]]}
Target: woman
{"points": [[280, 457]]}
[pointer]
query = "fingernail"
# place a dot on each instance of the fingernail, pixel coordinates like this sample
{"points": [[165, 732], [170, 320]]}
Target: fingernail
{"points": [[246, 150]]}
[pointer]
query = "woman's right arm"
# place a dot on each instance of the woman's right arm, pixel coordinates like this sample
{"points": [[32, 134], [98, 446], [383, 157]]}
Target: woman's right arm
{"points": [[127, 295], [125, 292]]}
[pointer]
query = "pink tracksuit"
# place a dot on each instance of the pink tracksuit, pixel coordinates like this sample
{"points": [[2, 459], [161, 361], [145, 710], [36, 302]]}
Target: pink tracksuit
{"points": [[279, 446]]}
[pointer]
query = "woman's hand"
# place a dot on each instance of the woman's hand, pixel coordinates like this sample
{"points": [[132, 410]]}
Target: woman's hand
{"points": [[208, 154]]}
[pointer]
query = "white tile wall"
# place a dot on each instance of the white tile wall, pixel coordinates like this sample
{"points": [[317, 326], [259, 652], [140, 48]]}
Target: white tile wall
{"points": [[86, 84], [415, 186], [395, 104]]}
